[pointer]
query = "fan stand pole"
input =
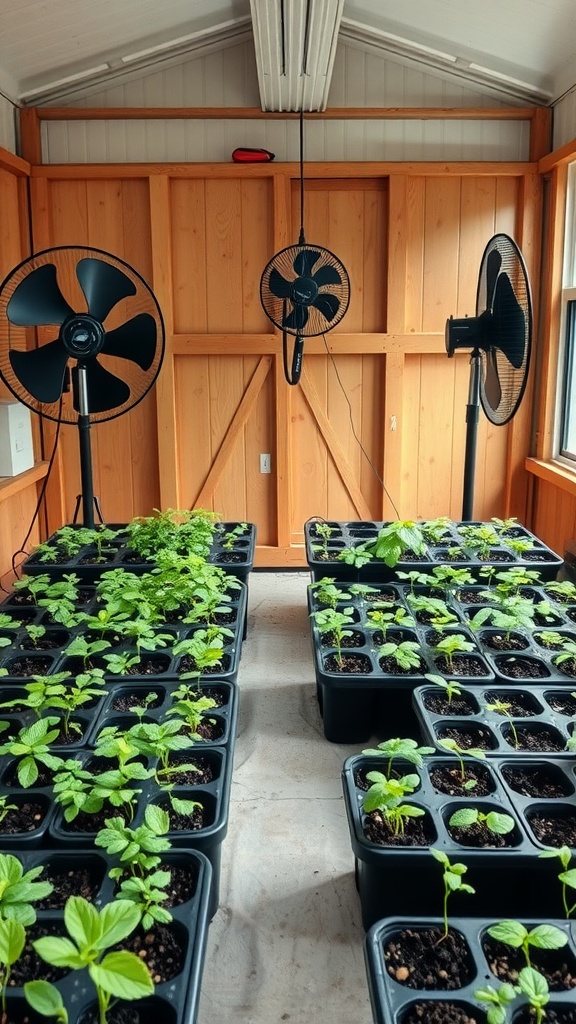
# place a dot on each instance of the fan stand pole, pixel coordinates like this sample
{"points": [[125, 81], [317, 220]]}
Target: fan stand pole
{"points": [[472, 416], [89, 502]]}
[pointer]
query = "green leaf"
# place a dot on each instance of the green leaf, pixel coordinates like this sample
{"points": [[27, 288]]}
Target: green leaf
{"points": [[117, 919], [157, 819], [82, 923], [568, 878], [12, 939], [463, 818], [123, 974], [511, 932], [58, 951], [500, 824], [547, 936], [27, 772], [45, 999], [534, 986]]}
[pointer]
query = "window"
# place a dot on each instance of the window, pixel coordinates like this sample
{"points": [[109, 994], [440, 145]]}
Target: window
{"points": [[566, 426]]}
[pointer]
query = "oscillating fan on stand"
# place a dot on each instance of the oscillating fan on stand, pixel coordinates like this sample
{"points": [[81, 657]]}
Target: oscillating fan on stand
{"points": [[500, 336], [304, 289], [100, 353]]}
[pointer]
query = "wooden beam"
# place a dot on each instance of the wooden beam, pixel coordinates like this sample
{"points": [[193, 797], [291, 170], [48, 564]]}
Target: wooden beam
{"points": [[540, 132], [233, 433], [30, 135], [328, 169], [431, 343], [256, 114], [11, 485], [15, 164]]}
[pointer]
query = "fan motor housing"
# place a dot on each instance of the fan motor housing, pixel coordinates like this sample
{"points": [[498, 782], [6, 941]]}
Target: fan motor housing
{"points": [[82, 335]]}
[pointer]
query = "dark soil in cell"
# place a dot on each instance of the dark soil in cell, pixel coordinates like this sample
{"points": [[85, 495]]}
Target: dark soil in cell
{"points": [[436, 704], [356, 639], [481, 738], [452, 555], [200, 774], [521, 668], [557, 965], [503, 642], [187, 664], [25, 818], [149, 666], [160, 950], [350, 664], [480, 837], [88, 823], [466, 596], [391, 667], [537, 782], [562, 704], [546, 740], [567, 668], [182, 885], [552, 830], [67, 882], [449, 780], [231, 557], [566, 1015], [187, 822], [127, 701], [210, 729], [25, 667], [437, 1011], [424, 959], [44, 643], [417, 831], [461, 665], [518, 705]]}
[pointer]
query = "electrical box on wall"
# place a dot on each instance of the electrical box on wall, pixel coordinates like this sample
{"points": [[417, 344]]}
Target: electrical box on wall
{"points": [[16, 452]]}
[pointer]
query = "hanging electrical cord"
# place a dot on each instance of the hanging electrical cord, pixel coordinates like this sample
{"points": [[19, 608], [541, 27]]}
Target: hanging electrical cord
{"points": [[22, 550], [355, 435]]}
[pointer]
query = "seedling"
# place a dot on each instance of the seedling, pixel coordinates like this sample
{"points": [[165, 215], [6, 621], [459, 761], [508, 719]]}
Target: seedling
{"points": [[86, 649], [564, 590], [395, 539], [190, 706], [160, 740], [384, 792], [542, 936], [19, 890], [79, 790], [452, 877], [137, 849], [454, 748], [502, 707], [496, 822], [480, 538], [450, 687], [534, 986], [326, 592], [567, 656], [567, 876], [550, 639], [404, 748], [497, 1000], [5, 807], [378, 618], [118, 974], [406, 654], [434, 530], [46, 999], [232, 535], [333, 624], [204, 649], [31, 747], [455, 643], [35, 633], [148, 894], [324, 531], [12, 939], [357, 556], [119, 663]]}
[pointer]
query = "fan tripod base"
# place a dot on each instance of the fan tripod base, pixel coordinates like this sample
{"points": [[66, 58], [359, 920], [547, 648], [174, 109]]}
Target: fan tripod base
{"points": [[96, 503]]}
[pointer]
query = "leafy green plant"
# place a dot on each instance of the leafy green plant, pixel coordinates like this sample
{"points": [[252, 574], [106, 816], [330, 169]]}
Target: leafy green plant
{"points": [[358, 555], [480, 537], [534, 986], [406, 654], [450, 686], [46, 999], [379, 618], [190, 706], [6, 807], [435, 530], [400, 747], [497, 1000], [149, 895], [503, 707], [120, 663], [454, 643], [452, 876], [567, 656], [453, 747], [562, 590], [567, 876], [19, 890], [137, 850], [326, 592], [31, 747], [386, 794], [78, 790], [333, 623], [161, 740], [12, 940], [434, 609], [324, 531], [497, 822], [516, 935], [34, 632], [92, 933], [205, 649], [395, 539], [85, 649], [549, 638]]}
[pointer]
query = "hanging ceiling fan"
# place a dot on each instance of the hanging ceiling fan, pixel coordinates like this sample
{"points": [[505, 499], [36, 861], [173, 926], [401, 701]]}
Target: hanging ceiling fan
{"points": [[500, 336], [105, 347], [304, 289]]}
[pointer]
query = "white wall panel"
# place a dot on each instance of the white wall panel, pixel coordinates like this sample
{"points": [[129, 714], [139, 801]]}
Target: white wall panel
{"points": [[565, 119], [228, 78], [7, 125]]}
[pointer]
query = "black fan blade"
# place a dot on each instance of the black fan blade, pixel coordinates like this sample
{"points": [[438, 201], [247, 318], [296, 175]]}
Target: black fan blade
{"points": [[278, 285], [493, 264], [327, 275], [304, 262], [41, 370], [105, 391], [135, 340], [327, 304], [509, 322], [296, 319], [103, 285], [38, 300], [492, 388]]}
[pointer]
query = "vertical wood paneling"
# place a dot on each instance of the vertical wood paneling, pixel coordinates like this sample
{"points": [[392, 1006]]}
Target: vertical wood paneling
{"points": [[554, 517]]}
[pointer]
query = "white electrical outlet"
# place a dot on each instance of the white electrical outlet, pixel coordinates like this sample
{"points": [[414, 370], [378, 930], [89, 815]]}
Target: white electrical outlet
{"points": [[264, 463]]}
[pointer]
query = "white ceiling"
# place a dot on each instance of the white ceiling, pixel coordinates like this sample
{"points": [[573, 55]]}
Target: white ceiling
{"points": [[525, 48]]}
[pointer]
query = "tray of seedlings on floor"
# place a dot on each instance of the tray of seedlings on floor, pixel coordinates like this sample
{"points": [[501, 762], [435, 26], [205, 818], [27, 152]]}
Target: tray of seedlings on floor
{"points": [[459, 970], [369, 551], [123, 925], [136, 546], [500, 720], [406, 811]]}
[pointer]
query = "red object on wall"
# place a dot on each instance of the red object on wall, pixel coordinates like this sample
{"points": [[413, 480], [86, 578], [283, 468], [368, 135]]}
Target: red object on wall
{"points": [[251, 156]]}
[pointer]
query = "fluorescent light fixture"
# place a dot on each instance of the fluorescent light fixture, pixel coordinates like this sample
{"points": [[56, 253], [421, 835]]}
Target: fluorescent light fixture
{"points": [[78, 76], [199, 38], [295, 45]]}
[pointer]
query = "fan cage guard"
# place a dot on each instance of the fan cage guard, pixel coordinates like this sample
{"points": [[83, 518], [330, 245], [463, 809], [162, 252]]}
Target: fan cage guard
{"points": [[277, 309], [22, 339], [512, 379]]}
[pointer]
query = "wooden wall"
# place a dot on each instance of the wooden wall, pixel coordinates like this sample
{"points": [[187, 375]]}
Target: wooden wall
{"points": [[379, 401]]}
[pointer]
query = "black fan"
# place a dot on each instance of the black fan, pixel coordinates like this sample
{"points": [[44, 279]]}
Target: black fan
{"points": [[304, 290], [109, 345], [500, 336]]}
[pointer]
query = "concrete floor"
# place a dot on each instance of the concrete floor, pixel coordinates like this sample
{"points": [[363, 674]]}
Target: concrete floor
{"points": [[286, 942]]}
